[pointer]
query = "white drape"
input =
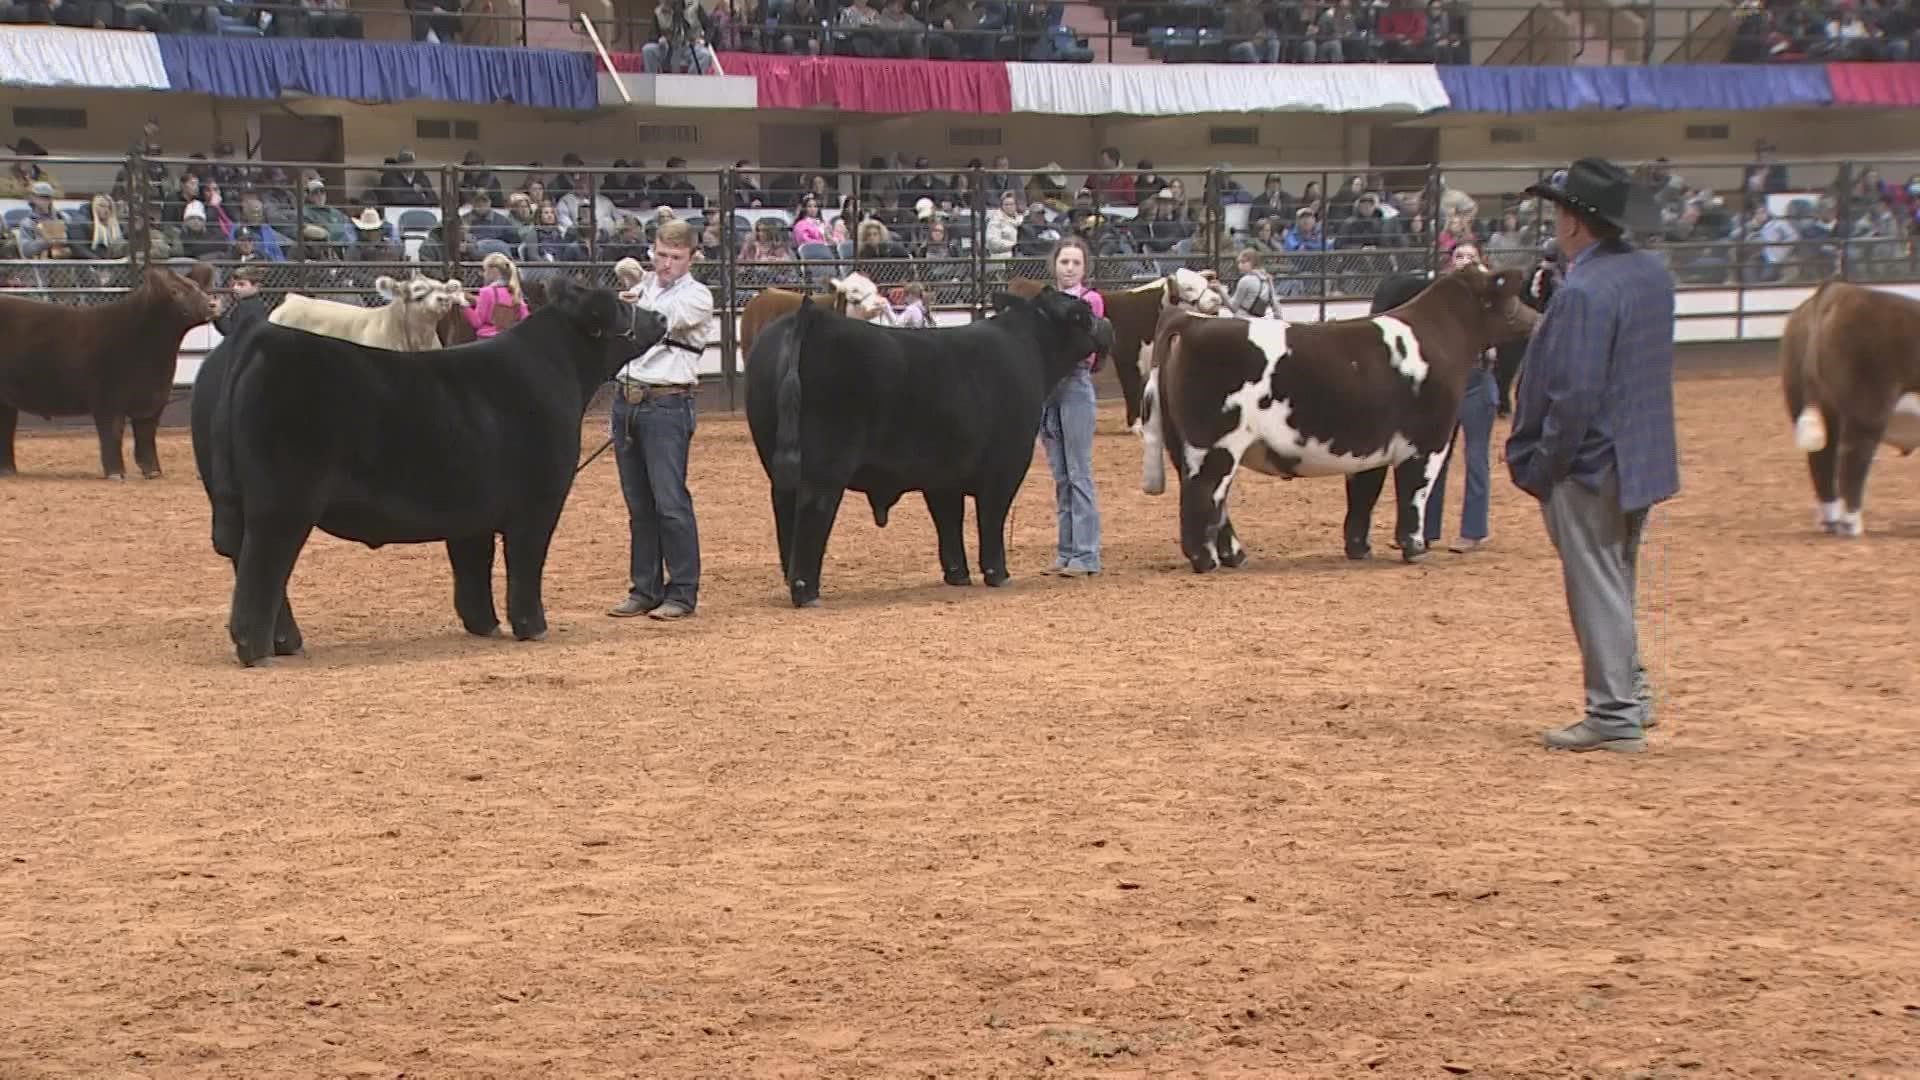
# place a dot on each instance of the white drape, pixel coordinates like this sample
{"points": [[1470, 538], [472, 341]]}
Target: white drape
{"points": [[1188, 89], [60, 56]]}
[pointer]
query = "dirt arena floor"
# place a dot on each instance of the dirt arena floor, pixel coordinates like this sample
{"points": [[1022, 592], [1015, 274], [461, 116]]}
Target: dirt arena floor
{"points": [[1293, 820]]}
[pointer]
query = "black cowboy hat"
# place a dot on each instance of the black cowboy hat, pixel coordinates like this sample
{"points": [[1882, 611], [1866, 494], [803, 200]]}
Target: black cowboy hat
{"points": [[1603, 191]]}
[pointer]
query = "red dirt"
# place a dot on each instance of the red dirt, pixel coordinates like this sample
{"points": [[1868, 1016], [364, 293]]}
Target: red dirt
{"points": [[1291, 820]]}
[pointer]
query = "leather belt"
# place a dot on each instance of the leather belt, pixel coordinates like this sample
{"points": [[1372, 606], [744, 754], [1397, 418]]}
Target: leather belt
{"points": [[638, 393]]}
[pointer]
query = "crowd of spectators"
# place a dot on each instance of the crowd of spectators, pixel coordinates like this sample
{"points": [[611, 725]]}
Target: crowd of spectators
{"points": [[1820, 31], [903, 221]]}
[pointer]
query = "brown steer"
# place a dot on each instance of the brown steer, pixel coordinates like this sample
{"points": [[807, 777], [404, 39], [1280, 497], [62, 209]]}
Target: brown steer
{"points": [[113, 361], [1850, 366], [1317, 399], [1135, 313], [855, 291]]}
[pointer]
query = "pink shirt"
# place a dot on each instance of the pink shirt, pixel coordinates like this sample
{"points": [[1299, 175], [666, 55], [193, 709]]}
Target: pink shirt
{"points": [[808, 231], [1099, 305], [480, 315]]}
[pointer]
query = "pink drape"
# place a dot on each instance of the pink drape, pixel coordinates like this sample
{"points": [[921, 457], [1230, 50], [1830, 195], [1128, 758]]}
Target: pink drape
{"points": [[1882, 84], [854, 84]]}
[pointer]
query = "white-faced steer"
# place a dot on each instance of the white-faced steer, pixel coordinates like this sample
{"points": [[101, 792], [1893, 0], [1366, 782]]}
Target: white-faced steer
{"points": [[1850, 367], [1317, 399]]}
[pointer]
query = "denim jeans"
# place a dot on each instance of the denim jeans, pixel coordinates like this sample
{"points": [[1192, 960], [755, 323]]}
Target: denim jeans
{"points": [[1476, 427], [650, 443], [1066, 430]]}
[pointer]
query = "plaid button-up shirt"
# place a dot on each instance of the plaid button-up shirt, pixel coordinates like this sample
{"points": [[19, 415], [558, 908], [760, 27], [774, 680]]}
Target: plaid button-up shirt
{"points": [[1596, 387]]}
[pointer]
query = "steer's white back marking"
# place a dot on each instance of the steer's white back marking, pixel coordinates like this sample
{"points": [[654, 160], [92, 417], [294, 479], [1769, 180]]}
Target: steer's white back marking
{"points": [[1903, 427], [1268, 420], [1403, 349]]}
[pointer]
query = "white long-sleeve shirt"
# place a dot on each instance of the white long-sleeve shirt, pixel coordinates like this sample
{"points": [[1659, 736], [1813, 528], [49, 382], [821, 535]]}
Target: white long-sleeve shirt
{"points": [[687, 305]]}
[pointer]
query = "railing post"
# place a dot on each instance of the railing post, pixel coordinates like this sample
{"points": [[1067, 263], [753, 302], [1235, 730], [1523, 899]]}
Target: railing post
{"points": [[1843, 219], [140, 203], [729, 298], [451, 177], [1215, 187], [1433, 210], [978, 249]]}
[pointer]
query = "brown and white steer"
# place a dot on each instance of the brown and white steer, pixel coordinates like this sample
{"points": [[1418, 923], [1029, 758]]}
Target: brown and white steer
{"points": [[1850, 365], [1135, 313], [855, 296], [1317, 399]]}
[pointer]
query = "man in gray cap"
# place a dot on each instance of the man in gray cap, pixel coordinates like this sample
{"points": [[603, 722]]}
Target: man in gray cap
{"points": [[1593, 435]]}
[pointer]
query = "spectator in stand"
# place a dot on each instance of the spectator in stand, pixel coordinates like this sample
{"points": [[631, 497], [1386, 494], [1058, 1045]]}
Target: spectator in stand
{"points": [[20, 176], [42, 233], [253, 215], [1272, 202], [1765, 176], [1112, 186], [807, 225], [319, 19], [437, 21], [1305, 234], [316, 212], [483, 222], [105, 238], [405, 185], [1003, 226], [246, 246], [197, 241], [1249, 39], [475, 176]]}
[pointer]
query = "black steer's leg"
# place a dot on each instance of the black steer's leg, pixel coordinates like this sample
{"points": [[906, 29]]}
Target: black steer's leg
{"points": [[112, 427], [267, 555], [472, 559], [949, 510], [526, 550], [783, 503], [1413, 480], [1824, 464], [1203, 508], [9, 420], [991, 510], [1232, 555], [1856, 443], [818, 505], [287, 640], [1363, 492], [146, 448]]}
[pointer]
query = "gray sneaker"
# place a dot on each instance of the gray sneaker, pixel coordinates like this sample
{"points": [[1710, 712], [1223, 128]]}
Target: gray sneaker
{"points": [[1580, 738]]}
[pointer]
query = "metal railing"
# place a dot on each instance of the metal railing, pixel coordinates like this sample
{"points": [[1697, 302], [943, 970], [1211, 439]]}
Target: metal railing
{"points": [[954, 237], [1464, 31]]}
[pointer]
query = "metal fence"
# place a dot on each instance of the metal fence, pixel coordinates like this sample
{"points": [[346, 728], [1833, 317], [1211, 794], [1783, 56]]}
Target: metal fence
{"points": [[953, 237]]}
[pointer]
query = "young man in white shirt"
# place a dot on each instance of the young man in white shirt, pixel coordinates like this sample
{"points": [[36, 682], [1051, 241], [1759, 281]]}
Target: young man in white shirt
{"points": [[653, 420]]}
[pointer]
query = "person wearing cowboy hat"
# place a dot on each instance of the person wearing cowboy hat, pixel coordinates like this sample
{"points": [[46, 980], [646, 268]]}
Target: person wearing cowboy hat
{"points": [[1593, 435]]}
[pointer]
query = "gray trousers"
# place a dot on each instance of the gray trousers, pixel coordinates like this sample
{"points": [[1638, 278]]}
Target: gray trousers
{"points": [[1599, 546]]}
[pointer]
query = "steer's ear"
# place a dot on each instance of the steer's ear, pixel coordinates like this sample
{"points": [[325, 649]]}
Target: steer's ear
{"points": [[1003, 300], [385, 286]]}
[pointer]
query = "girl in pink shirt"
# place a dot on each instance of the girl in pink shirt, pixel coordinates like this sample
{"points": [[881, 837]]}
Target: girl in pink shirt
{"points": [[499, 304]]}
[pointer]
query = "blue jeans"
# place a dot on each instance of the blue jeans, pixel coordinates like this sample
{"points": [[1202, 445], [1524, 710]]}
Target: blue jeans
{"points": [[1066, 430], [650, 443], [1476, 424]]}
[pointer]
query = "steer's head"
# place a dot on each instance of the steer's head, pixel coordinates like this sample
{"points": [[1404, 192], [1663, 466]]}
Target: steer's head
{"points": [[1197, 290], [186, 302], [614, 330], [863, 298], [416, 296], [1068, 329], [455, 292], [1497, 292]]}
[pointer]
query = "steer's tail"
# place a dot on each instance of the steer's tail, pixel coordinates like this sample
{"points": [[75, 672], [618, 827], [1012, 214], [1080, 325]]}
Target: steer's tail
{"points": [[1809, 428], [1155, 421], [786, 432]]}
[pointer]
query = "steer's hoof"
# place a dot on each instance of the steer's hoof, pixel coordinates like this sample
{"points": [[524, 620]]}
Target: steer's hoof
{"points": [[1233, 560], [530, 634], [116, 476], [995, 578], [150, 474], [1206, 564], [289, 648], [1414, 551], [1359, 551], [8, 470], [957, 577]]}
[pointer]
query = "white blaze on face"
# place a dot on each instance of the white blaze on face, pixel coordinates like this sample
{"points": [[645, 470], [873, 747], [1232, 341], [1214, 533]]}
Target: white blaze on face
{"points": [[1403, 349], [863, 296]]}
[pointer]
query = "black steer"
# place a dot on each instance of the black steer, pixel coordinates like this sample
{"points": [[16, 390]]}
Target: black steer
{"points": [[837, 404], [294, 430]]}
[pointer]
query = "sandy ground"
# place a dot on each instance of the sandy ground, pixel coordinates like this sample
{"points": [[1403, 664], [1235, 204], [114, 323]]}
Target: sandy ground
{"points": [[1287, 821]]}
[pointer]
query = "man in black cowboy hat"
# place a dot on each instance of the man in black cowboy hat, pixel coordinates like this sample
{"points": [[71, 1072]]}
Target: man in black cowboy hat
{"points": [[1593, 438]]}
